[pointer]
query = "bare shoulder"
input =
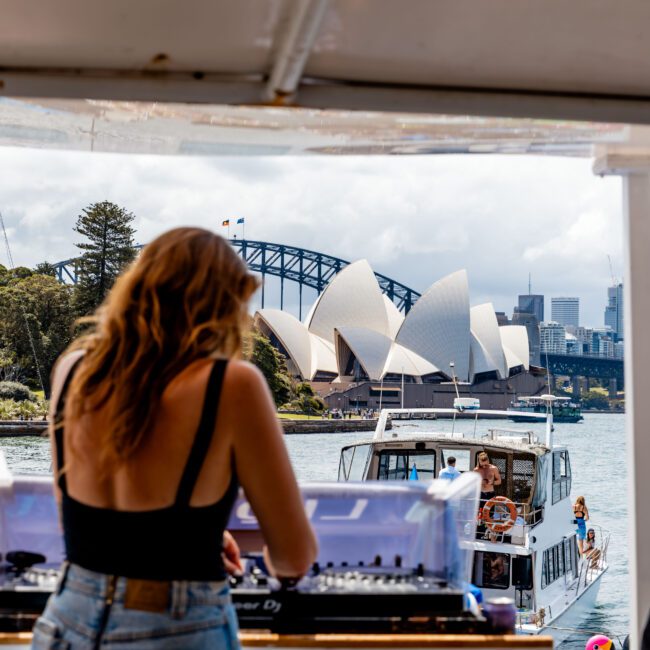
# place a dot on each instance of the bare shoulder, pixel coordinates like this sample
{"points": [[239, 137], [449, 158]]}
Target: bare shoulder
{"points": [[61, 370], [244, 375]]}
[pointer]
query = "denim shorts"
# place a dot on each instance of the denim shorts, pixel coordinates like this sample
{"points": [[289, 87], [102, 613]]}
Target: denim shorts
{"points": [[80, 616], [581, 530]]}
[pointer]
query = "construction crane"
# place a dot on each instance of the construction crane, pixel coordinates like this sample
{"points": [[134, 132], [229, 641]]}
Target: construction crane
{"points": [[611, 271]]}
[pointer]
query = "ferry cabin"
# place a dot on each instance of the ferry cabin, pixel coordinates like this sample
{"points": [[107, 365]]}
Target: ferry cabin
{"points": [[536, 561]]}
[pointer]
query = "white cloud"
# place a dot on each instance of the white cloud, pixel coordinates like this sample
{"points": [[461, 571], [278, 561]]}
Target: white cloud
{"points": [[414, 218]]}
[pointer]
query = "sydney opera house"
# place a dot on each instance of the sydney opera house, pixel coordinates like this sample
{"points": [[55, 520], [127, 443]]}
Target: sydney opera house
{"points": [[355, 343]]}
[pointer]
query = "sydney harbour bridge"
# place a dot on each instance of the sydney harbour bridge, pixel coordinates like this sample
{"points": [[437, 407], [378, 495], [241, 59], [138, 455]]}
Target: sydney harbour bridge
{"points": [[315, 270]]}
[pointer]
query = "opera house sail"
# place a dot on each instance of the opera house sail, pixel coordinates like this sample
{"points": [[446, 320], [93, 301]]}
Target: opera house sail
{"points": [[354, 333]]}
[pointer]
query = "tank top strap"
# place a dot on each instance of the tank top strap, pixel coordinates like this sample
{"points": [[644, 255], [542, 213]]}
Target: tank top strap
{"points": [[58, 427], [203, 435]]}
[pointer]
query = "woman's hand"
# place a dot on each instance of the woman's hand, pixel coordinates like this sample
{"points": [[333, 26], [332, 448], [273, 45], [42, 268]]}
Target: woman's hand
{"points": [[231, 556]]}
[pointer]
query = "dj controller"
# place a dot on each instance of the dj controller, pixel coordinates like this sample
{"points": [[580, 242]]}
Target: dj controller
{"points": [[342, 598], [347, 598]]}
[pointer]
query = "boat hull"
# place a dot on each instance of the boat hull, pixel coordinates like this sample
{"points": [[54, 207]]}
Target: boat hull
{"points": [[564, 625], [542, 418]]}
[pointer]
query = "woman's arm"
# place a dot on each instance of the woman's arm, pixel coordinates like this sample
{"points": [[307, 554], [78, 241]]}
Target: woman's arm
{"points": [[61, 369], [265, 472]]}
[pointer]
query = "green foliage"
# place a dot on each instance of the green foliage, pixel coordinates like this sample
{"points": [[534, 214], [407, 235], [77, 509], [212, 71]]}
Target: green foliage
{"points": [[595, 399], [45, 268], [304, 389], [15, 391], [45, 306], [272, 364], [12, 410], [306, 404], [108, 249]]}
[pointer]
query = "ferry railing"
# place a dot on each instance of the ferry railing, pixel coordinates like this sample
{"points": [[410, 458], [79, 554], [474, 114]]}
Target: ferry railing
{"points": [[527, 518], [594, 561]]}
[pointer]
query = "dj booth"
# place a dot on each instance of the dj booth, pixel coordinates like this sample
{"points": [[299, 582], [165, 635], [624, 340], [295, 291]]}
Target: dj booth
{"points": [[392, 569]]}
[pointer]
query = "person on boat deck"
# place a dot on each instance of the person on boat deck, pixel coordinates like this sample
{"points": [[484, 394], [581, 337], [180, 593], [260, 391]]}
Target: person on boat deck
{"points": [[157, 423], [581, 514], [590, 549], [490, 477], [449, 472]]}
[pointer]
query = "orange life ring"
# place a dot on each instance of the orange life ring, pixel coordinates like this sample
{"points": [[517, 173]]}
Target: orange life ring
{"points": [[499, 525]]}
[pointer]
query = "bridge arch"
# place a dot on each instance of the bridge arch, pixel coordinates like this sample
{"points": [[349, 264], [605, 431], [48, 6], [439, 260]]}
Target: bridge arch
{"points": [[305, 267]]}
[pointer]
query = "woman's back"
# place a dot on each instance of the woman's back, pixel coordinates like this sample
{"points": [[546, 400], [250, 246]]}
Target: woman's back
{"points": [[149, 479]]}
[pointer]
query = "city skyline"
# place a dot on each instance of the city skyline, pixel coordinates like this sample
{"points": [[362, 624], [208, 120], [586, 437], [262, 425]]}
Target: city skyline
{"points": [[413, 218]]}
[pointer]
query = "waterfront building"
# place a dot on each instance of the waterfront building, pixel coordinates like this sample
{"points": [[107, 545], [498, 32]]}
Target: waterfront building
{"points": [[565, 311], [614, 310], [619, 349], [531, 303], [355, 333], [583, 336], [572, 345], [602, 340], [552, 338], [605, 346]]}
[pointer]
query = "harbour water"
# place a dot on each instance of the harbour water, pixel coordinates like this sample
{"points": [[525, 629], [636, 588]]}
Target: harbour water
{"points": [[598, 461]]}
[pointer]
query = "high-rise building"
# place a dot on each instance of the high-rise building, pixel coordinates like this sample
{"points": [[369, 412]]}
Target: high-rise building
{"points": [[614, 310], [531, 303], [552, 338], [565, 311]]}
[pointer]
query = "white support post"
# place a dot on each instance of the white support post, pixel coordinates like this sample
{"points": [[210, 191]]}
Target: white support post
{"points": [[634, 166], [636, 209]]}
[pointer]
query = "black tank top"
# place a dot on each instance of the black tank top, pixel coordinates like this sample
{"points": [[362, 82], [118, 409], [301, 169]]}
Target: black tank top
{"points": [[174, 543]]}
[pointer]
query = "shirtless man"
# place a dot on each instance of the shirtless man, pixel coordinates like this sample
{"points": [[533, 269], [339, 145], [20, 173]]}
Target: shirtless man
{"points": [[490, 477]]}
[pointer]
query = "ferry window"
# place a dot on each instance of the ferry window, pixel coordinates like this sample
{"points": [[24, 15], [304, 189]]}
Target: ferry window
{"points": [[462, 457], [556, 562], [561, 475], [345, 462], [358, 464], [398, 464], [523, 474], [491, 570]]}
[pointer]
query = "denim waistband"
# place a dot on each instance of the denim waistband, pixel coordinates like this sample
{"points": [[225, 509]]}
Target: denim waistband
{"points": [[183, 593]]}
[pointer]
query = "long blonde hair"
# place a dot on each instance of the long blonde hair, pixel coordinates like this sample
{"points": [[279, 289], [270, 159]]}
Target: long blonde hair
{"points": [[184, 298]]}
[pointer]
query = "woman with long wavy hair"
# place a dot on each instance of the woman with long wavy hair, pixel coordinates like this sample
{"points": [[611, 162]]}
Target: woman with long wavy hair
{"points": [[157, 422]]}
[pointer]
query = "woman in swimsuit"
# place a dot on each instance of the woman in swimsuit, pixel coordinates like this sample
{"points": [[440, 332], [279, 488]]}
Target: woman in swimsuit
{"points": [[158, 423], [581, 514]]}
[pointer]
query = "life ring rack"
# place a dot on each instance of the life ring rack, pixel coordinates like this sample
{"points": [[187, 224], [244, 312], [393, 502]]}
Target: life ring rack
{"points": [[499, 525]]}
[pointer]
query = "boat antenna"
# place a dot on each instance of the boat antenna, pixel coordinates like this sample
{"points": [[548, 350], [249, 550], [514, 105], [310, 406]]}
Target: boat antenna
{"points": [[453, 377], [22, 306]]}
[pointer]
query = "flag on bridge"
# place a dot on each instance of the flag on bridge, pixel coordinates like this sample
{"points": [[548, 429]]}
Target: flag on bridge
{"points": [[240, 220]]}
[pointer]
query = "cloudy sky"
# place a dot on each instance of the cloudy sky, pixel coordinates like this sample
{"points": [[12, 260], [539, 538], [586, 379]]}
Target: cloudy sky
{"points": [[414, 218]]}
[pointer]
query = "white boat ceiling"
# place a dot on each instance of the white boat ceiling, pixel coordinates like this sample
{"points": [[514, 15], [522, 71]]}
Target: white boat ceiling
{"points": [[95, 72]]}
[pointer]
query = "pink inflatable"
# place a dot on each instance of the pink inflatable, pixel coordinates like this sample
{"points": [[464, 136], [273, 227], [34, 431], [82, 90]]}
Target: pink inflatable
{"points": [[599, 642]]}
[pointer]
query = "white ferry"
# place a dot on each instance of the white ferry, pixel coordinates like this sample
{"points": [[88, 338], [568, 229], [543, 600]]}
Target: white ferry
{"points": [[525, 546]]}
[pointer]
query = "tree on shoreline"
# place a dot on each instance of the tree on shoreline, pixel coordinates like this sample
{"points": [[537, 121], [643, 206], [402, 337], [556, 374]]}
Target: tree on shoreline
{"points": [[44, 305], [110, 248], [272, 365]]}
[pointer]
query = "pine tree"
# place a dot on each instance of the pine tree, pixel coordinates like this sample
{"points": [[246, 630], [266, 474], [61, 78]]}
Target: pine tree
{"points": [[109, 249]]}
